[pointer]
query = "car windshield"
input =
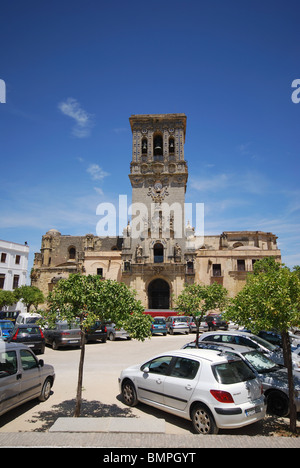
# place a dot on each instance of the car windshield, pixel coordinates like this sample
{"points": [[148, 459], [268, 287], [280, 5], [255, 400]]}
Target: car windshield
{"points": [[264, 343], [30, 331], [6, 326], [260, 362], [67, 326], [232, 372]]}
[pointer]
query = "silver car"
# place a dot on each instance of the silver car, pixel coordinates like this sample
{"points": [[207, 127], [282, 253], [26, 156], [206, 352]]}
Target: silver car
{"points": [[22, 376], [252, 341], [113, 332], [274, 377], [177, 324]]}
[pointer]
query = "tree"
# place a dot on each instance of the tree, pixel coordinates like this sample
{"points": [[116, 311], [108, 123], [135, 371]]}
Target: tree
{"points": [[7, 298], [270, 300], [89, 298], [196, 300], [29, 295]]}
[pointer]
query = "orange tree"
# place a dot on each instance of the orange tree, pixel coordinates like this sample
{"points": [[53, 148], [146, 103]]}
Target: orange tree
{"points": [[270, 300], [87, 299], [196, 300]]}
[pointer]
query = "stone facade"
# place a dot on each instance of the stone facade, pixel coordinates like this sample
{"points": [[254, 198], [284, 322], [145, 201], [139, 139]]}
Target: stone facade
{"points": [[157, 254]]}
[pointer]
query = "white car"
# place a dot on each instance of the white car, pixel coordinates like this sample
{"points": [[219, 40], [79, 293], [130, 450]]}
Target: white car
{"points": [[205, 386], [244, 338]]}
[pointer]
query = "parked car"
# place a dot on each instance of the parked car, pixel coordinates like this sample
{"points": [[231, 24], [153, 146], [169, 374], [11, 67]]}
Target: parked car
{"points": [[26, 317], [97, 332], [252, 341], [22, 376], [216, 322], [211, 389], [159, 326], [63, 334], [9, 315], [6, 326], [30, 335], [193, 327], [275, 338], [177, 324], [274, 377], [113, 332]]}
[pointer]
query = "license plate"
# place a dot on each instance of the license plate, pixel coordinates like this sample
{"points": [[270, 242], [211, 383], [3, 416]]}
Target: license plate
{"points": [[30, 345], [73, 341], [252, 411]]}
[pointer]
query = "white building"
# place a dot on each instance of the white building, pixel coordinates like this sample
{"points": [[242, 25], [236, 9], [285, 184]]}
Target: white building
{"points": [[13, 268]]}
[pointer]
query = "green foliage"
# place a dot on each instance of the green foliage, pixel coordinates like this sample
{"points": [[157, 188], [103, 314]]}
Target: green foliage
{"points": [[198, 299], [269, 300], [7, 298], [90, 298], [29, 295]]}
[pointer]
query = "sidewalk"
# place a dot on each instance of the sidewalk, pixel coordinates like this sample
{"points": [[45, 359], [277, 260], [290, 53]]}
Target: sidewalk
{"points": [[134, 433]]}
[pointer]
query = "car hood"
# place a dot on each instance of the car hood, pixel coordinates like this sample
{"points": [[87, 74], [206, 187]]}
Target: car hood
{"points": [[280, 378]]}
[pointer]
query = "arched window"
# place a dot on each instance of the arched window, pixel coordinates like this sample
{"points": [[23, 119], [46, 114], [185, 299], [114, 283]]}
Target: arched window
{"points": [[158, 144], [144, 146], [158, 253], [171, 145], [72, 253]]}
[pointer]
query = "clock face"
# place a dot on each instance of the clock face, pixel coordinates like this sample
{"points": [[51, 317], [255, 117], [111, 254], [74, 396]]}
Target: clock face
{"points": [[158, 186]]}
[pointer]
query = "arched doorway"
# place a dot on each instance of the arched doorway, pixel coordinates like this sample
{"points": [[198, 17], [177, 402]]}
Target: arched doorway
{"points": [[159, 294]]}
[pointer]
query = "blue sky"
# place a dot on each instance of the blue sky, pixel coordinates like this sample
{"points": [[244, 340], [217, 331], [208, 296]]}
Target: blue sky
{"points": [[76, 71]]}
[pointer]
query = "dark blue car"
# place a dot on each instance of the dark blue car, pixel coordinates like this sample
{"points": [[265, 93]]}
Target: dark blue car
{"points": [[6, 327]]}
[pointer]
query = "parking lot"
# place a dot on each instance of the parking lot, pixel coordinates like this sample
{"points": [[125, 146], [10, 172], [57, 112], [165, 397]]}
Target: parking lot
{"points": [[103, 363]]}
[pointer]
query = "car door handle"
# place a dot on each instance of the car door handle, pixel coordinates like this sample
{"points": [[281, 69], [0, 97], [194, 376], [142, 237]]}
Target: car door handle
{"points": [[19, 376], [188, 387]]}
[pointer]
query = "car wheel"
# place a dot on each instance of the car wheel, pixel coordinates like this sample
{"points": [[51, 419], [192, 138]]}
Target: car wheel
{"points": [[46, 390], [171, 331], [111, 337], [203, 421], [54, 345], [129, 393], [277, 404]]}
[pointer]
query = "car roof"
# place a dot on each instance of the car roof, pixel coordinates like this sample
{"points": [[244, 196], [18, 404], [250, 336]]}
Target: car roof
{"points": [[229, 346], [207, 354], [5, 346], [228, 332]]}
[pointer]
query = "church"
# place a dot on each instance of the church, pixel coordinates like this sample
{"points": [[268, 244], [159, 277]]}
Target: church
{"points": [[159, 251]]}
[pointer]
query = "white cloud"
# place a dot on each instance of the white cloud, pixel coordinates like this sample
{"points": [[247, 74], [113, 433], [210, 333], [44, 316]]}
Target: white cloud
{"points": [[96, 172], [83, 120]]}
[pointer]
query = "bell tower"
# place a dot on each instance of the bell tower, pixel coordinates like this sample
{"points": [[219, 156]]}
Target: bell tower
{"points": [[155, 241]]}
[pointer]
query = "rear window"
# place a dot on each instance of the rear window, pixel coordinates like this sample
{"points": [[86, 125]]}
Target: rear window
{"points": [[180, 319], [232, 372], [159, 321], [30, 331]]}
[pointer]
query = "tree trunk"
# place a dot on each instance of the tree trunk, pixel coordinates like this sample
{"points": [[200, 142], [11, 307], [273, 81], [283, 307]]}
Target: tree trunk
{"points": [[288, 363], [80, 376]]}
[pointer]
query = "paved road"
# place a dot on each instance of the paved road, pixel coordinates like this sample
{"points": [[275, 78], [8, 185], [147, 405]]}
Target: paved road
{"points": [[103, 363]]}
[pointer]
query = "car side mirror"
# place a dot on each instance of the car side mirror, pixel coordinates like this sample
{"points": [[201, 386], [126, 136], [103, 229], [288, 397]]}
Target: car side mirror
{"points": [[41, 363], [146, 370]]}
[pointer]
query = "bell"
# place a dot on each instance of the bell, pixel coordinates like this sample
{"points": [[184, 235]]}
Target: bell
{"points": [[157, 147], [144, 145]]}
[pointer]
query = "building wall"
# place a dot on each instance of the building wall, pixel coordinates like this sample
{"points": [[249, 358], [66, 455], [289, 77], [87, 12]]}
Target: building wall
{"points": [[13, 268]]}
